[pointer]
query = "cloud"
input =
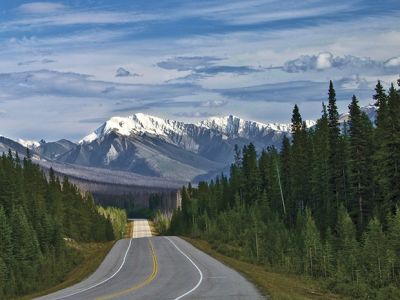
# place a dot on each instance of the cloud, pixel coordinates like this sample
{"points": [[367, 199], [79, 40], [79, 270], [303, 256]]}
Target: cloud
{"points": [[122, 72], [203, 66], [214, 103], [393, 62], [26, 63], [188, 63], [326, 60], [300, 91], [64, 84], [193, 114], [71, 18], [92, 120], [287, 13], [30, 62], [40, 7]]}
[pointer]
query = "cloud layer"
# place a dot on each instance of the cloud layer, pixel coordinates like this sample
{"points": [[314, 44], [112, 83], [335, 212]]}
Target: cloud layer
{"points": [[64, 65], [326, 60]]}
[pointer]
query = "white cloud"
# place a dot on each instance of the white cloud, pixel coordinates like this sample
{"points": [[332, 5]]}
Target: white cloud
{"points": [[347, 64], [77, 18], [68, 84], [393, 62], [213, 103], [194, 114], [40, 7], [324, 61]]}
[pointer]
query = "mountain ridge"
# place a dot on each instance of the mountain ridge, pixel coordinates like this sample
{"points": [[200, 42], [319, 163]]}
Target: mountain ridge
{"points": [[168, 149]]}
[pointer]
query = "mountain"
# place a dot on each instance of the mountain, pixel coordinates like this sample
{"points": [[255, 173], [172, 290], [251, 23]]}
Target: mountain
{"points": [[8, 144], [369, 110], [28, 143], [53, 150], [152, 146], [145, 145]]}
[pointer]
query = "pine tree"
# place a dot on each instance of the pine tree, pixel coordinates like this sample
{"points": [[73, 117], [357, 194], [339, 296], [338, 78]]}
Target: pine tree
{"points": [[6, 246], [337, 160], [380, 96], [297, 121], [320, 180], [312, 246], [347, 248], [360, 129], [393, 148], [251, 173], [299, 159], [375, 258]]}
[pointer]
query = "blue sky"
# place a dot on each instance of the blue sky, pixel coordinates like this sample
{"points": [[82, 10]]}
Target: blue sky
{"points": [[67, 66]]}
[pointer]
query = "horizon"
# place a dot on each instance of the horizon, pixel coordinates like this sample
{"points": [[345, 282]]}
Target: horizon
{"points": [[68, 66], [79, 140]]}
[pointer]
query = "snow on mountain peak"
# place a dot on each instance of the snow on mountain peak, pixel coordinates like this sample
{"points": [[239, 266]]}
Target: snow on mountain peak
{"points": [[136, 124], [228, 126], [232, 125], [29, 144], [370, 110]]}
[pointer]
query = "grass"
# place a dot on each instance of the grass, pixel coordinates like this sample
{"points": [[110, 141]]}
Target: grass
{"points": [[93, 254], [153, 229], [275, 285]]}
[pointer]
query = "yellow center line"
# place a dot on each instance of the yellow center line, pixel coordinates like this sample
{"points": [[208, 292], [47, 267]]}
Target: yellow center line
{"points": [[149, 279]]}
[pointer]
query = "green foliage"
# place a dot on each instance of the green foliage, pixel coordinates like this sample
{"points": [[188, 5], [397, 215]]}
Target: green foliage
{"points": [[118, 219], [36, 215], [325, 206]]}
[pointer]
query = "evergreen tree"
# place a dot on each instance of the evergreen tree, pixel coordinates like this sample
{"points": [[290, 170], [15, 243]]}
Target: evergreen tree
{"points": [[337, 157], [360, 164], [321, 192]]}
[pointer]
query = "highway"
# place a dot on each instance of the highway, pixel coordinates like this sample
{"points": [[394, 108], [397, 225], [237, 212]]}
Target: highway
{"points": [[150, 267]]}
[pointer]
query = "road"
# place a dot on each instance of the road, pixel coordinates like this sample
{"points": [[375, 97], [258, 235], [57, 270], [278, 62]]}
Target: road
{"points": [[146, 267]]}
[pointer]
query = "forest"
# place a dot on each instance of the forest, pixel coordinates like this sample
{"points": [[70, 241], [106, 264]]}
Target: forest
{"points": [[325, 205], [39, 215]]}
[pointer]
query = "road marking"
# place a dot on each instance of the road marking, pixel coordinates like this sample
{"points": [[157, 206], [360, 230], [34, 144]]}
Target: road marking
{"points": [[149, 279], [101, 282], [198, 269]]}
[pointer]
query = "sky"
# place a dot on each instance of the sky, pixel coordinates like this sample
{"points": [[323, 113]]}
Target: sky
{"points": [[68, 66]]}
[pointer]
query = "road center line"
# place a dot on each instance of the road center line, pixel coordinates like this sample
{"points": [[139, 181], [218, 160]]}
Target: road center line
{"points": [[101, 282], [198, 269], [149, 279]]}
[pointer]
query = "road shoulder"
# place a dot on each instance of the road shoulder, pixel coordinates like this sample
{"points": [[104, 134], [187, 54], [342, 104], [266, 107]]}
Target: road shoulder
{"points": [[272, 285]]}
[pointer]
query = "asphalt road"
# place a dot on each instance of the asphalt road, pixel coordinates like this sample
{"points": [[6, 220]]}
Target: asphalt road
{"points": [[159, 268]]}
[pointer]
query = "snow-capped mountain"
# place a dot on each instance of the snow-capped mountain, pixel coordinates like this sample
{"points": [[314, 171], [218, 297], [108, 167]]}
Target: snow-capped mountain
{"points": [[229, 127], [136, 124], [153, 146], [170, 149], [28, 143], [369, 110]]}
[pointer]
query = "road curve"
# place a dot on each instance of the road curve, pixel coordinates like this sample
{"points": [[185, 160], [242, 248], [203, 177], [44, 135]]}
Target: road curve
{"points": [[159, 268]]}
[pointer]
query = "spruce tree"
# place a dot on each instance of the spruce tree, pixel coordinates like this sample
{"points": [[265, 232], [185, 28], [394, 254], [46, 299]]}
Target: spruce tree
{"points": [[320, 180], [360, 129], [337, 159]]}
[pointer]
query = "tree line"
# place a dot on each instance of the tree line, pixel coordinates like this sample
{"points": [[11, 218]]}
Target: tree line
{"points": [[326, 205], [38, 216]]}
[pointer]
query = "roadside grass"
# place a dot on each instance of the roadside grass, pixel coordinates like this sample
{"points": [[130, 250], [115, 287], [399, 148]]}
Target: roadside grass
{"points": [[92, 256], [153, 229], [129, 230], [274, 285]]}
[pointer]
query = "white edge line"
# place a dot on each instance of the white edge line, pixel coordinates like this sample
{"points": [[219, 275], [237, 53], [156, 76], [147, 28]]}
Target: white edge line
{"points": [[198, 269], [101, 282]]}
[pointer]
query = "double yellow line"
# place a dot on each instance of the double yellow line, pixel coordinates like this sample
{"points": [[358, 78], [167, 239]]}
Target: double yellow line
{"points": [[149, 279]]}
